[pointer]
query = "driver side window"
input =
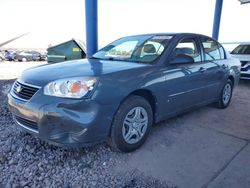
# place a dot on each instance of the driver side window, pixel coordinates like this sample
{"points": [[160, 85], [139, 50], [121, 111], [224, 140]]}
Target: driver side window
{"points": [[188, 47]]}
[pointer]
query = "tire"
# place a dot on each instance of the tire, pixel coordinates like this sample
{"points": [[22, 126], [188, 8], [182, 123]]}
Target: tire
{"points": [[129, 131], [226, 95]]}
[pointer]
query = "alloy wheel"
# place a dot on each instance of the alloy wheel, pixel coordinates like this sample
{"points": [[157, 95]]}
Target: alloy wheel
{"points": [[227, 92]]}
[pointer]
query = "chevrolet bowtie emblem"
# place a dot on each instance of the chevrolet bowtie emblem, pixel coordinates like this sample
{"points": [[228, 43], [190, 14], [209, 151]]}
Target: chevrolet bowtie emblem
{"points": [[18, 89]]}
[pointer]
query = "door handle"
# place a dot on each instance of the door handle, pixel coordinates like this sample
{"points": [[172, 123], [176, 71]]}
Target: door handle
{"points": [[202, 69], [224, 66]]}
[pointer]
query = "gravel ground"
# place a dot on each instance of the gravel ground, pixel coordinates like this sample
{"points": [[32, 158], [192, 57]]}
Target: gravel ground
{"points": [[25, 161]]}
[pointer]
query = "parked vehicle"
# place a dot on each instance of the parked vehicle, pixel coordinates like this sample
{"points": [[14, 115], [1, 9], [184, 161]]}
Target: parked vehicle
{"points": [[2, 58], [28, 56], [43, 56], [242, 52], [10, 55], [123, 89]]}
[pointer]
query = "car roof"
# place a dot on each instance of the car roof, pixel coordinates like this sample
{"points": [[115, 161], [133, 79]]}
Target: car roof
{"points": [[173, 34]]}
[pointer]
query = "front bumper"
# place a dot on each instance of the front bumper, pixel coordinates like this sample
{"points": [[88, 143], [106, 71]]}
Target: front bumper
{"points": [[245, 72], [60, 121]]}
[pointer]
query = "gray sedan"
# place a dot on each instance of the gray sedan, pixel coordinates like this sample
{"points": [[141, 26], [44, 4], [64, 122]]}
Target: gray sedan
{"points": [[123, 89]]}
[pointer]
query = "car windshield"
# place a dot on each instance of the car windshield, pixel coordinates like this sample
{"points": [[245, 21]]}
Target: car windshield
{"points": [[145, 49], [242, 49]]}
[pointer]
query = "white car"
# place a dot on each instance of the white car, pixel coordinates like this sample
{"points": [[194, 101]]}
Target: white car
{"points": [[2, 58], [242, 52]]}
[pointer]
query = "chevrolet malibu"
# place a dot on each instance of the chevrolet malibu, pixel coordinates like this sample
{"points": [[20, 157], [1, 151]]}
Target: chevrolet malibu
{"points": [[122, 90]]}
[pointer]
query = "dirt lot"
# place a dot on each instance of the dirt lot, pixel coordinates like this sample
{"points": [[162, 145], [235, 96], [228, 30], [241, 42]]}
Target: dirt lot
{"points": [[207, 147]]}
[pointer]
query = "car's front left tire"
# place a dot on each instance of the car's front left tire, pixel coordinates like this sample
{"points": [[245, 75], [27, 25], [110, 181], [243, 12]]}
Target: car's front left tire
{"points": [[131, 124]]}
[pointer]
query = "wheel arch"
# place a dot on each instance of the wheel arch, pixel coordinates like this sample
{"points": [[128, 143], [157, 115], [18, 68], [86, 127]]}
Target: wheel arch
{"points": [[231, 77], [149, 96]]}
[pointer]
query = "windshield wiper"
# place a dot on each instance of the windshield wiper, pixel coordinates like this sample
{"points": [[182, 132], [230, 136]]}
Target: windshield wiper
{"points": [[109, 58], [116, 59], [92, 57]]}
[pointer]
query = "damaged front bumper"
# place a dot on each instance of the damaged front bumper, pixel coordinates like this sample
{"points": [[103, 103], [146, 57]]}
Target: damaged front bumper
{"points": [[64, 122]]}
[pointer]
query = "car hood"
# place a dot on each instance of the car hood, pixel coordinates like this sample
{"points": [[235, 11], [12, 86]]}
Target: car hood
{"points": [[241, 57], [43, 74]]}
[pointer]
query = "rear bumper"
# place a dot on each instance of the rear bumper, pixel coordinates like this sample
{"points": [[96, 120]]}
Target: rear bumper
{"points": [[63, 122]]}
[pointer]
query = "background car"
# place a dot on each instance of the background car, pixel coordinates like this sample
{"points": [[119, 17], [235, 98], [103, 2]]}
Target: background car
{"points": [[242, 52], [37, 56], [10, 55], [43, 56], [2, 58], [28, 56]]}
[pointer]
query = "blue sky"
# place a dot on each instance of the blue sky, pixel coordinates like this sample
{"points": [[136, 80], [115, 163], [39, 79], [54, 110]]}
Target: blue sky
{"points": [[55, 21]]}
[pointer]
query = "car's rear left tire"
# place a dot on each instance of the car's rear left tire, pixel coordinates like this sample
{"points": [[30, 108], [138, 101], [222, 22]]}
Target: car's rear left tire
{"points": [[131, 124], [225, 95]]}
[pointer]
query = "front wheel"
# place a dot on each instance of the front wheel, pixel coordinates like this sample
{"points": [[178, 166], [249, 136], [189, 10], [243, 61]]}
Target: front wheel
{"points": [[24, 59], [226, 95], [131, 124]]}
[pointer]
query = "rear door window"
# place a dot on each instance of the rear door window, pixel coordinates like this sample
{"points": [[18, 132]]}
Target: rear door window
{"points": [[212, 50]]}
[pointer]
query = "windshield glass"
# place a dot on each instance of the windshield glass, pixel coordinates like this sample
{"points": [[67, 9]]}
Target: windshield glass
{"points": [[143, 49], [242, 49]]}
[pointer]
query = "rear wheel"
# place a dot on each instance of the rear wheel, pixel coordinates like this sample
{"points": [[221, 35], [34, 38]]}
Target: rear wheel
{"points": [[226, 95], [131, 124]]}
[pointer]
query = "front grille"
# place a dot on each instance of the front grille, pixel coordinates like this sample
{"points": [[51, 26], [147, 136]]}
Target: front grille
{"points": [[245, 66], [26, 123], [24, 91], [245, 69], [243, 63]]}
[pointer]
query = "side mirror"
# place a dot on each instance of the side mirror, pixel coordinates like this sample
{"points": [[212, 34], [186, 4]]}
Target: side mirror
{"points": [[182, 59]]}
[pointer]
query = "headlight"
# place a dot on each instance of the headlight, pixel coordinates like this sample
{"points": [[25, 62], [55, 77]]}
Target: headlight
{"points": [[71, 87]]}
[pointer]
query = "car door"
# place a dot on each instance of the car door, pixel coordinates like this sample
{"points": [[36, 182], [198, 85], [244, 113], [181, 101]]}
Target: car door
{"points": [[215, 66], [184, 82]]}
